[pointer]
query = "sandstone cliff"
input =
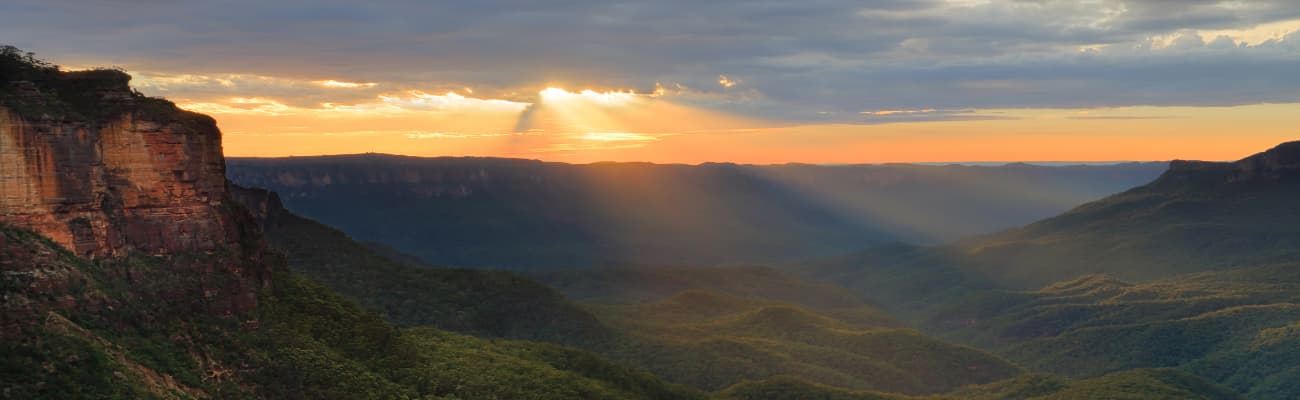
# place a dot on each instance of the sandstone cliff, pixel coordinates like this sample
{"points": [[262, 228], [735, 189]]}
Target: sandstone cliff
{"points": [[151, 182], [112, 175]]}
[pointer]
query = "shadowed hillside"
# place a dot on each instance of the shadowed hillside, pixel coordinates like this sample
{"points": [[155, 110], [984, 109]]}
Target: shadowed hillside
{"points": [[1195, 271], [485, 303], [639, 284], [104, 336], [1197, 216], [1130, 385], [859, 348], [736, 339]]}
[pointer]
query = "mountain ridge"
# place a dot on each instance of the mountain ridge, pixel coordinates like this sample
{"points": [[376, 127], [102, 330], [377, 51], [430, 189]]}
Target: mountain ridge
{"points": [[522, 214]]}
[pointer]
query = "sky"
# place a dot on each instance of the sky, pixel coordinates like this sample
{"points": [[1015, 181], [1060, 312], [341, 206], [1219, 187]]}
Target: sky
{"points": [[759, 81]]}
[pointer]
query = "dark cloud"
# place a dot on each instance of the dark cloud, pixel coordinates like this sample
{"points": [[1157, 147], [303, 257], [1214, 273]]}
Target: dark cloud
{"points": [[804, 60]]}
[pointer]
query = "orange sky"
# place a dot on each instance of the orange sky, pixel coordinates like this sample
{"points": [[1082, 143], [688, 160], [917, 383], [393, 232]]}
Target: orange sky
{"points": [[623, 126]]}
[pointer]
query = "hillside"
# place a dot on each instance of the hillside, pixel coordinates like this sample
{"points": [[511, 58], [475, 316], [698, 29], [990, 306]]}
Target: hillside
{"points": [[1130, 385], [860, 348], [1197, 216], [484, 303], [699, 306], [1236, 327], [738, 345], [97, 335], [524, 214], [641, 284], [1193, 271]]}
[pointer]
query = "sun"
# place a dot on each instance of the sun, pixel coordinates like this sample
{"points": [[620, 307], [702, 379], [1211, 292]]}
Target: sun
{"points": [[552, 93]]}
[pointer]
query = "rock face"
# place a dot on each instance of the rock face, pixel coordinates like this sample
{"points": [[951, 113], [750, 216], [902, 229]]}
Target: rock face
{"points": [[264, 205], [115, 176], [1281, 163], [146, 183], [135, 182]]}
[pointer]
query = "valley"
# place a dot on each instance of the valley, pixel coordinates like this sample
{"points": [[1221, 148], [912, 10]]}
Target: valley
{"points": [[139, 262]]}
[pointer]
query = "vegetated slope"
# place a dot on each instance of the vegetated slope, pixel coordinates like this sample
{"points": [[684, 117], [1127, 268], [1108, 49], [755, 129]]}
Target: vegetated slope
{"points": [[81, 329], [640, 284], [700, 306], [484, 303], [1240, 328], [516, 307], [903, 279], [528, 214], [864, 350], [1128, 385], [1198, 216]]}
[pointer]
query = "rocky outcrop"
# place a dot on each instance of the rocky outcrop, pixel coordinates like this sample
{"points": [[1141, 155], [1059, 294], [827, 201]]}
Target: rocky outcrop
{"points": [[264, 205], [133, 183], [1277, 164], [1281, 162], [113, 175]]}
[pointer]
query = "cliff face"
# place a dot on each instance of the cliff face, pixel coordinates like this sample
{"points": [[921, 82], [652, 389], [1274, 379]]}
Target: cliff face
{"points": [[1279, 163], [113, 175], [146, 183]]}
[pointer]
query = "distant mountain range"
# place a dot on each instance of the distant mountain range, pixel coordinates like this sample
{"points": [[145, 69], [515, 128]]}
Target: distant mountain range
{"points": [[485, 212]]}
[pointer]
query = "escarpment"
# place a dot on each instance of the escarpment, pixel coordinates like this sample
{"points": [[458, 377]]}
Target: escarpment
{"points": [[150, 182], [112, 175]]}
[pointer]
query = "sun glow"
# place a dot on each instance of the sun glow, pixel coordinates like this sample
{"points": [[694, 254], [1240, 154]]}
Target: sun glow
{"points": [[330, 83], [617, 137], [613, 97]]}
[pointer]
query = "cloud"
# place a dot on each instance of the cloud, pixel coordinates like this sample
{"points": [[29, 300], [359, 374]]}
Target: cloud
{"points": [[450, 101], [1119, 117], [726, 82], [928, 114], [885, 113], [330, 83], [815, 60]]}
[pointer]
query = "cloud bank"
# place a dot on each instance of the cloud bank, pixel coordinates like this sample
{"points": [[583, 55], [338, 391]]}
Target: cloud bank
{"points": [[812, 60]]}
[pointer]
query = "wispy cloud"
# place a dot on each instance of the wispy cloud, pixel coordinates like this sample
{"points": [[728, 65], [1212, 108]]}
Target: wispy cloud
{"points": [[330, 83], [929, 114], [1120, 117]]}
